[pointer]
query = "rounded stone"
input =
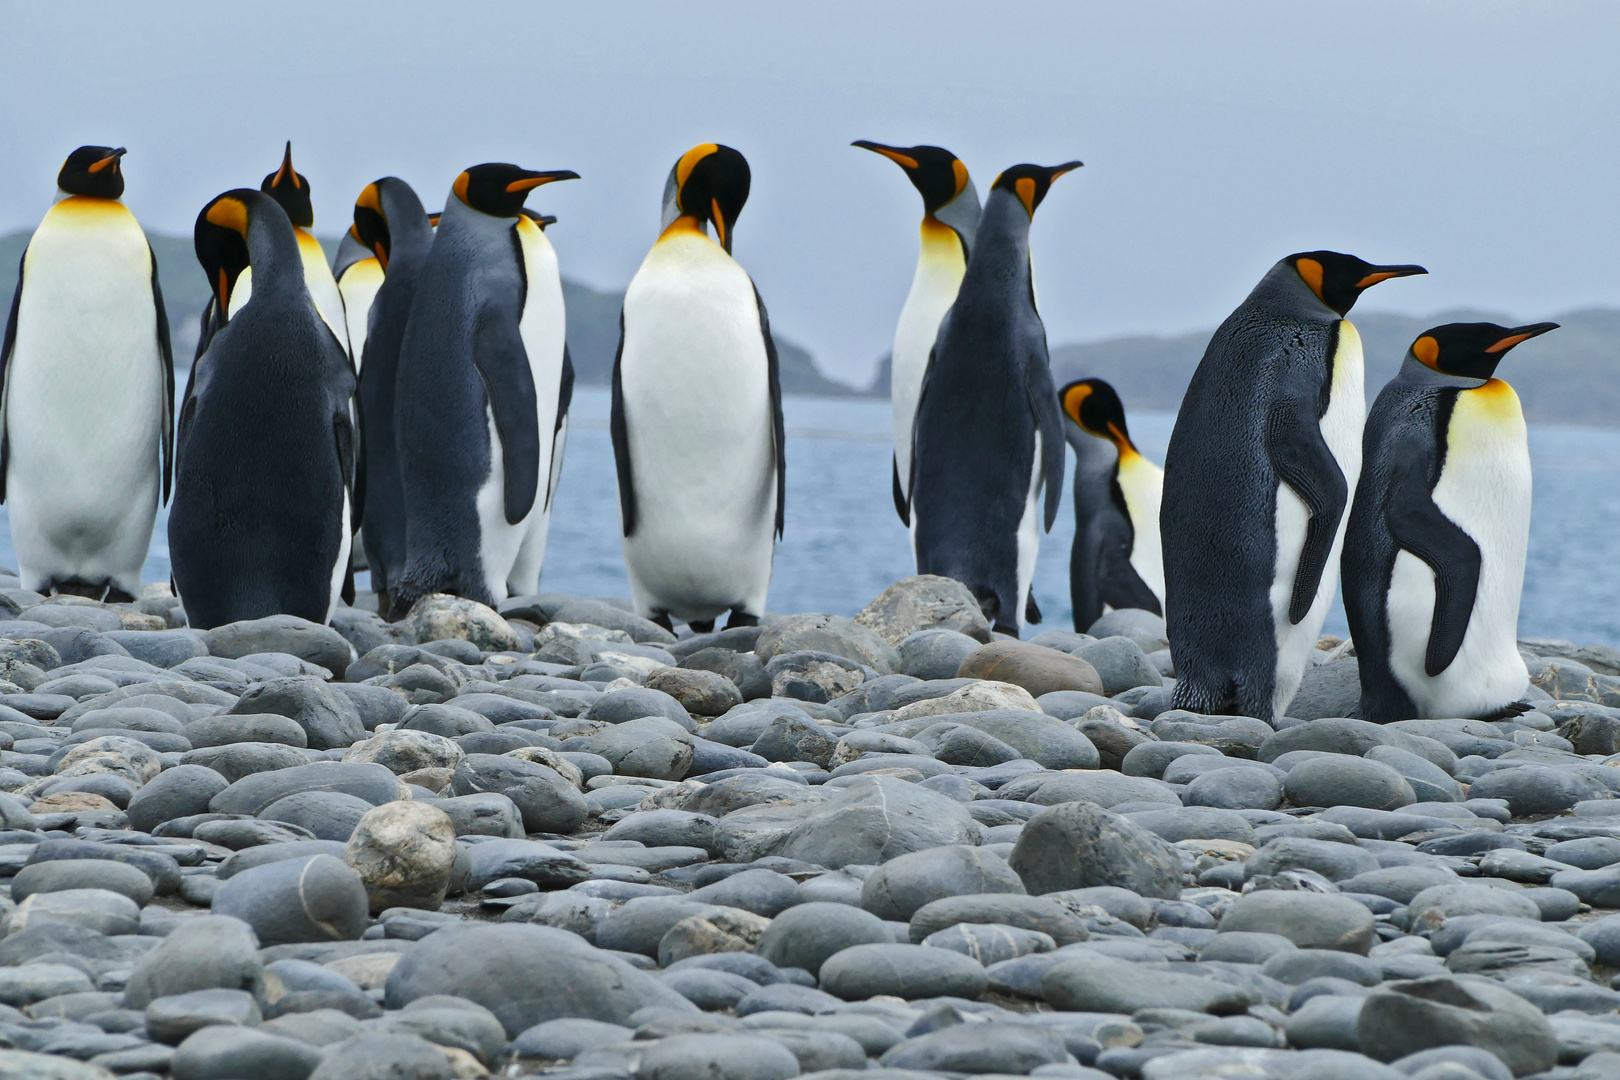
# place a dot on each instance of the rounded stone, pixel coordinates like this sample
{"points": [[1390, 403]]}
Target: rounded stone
{"points": [[904, 971], [544, 799], [438, 616], [202, 953], [403, 751], [1402, 1018], [1036, 668], [1245, 787], [295, 900], [1079, 845], [711, 1056], [935, 654], [700, 693], [403, 852], [806, 935], [59, 875], [326, 815], [895, 890], [1340, 780], [1309, 920]]}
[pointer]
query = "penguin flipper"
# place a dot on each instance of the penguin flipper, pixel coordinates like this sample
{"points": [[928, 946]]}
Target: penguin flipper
{"points": [[565, 398], [901, 506], [621, 443], [778, 428], [922, 396], [1419, 526], [1303, 461], [7, 344], [503, 364], [1120, 586], [166, 358], [1043, 403]]}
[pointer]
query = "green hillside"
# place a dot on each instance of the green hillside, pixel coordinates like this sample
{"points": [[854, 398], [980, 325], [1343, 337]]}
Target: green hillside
{"points": [[593, 316]]}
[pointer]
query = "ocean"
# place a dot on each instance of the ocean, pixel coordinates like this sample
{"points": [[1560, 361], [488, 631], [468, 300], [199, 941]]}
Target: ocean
{"points": [[843, 543]]}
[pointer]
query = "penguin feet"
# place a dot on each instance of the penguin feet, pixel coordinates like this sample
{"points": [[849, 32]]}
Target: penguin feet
{"points": [[739, 617], [104, 591], [662, 619], [115, 595], [701, 626], [1507, 712]]}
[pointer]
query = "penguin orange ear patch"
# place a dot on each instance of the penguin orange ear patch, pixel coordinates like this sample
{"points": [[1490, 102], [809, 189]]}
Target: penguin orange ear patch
{"points": [[1427, 349], [370, 200], [1075, 397], [689, 160], [460, 187], [230, 214], [1025, 187], [961, 173], [1310, 271]]}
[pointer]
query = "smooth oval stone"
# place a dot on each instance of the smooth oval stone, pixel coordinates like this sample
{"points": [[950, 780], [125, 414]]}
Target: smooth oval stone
{"points": [[59, 875], [806, 935], [251, 794], [1340, 780], [1309, 920], [316, 899], [259, 728], [905, 883], [326, 815], [237, 761], [905, 971]]}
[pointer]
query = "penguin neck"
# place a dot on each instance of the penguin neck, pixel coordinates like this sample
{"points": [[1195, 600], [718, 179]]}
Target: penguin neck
{"points": [[962, 215], [1283, 286], [1001, 247], [84, 200], [274, 257], [1092, 455], [460, 218], [686, 226], [1415, 372], [409, 233]]}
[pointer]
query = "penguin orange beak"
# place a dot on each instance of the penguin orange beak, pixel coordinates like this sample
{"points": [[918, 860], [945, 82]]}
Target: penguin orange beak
{"points": [[1384, 273], [1521, 333], [534, 180], [286, 171], [110, 159]]}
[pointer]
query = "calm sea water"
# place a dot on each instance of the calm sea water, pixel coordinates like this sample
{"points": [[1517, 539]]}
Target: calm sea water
{"points": [[844, 544]]}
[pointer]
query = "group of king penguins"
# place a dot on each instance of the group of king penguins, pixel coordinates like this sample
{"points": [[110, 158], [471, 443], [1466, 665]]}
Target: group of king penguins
{"points": [[416, 395], [1276, 472]]}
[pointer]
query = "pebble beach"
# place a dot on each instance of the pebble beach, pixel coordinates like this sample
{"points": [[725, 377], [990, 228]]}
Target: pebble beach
{"points": [[560, 840]]}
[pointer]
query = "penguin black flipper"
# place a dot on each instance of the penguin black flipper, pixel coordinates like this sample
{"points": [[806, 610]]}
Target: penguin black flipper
{"points": [[166, 358], [1303, 461], [621, 441], [778, 428], [6, 346], [565, 398], [1043, 403], [503, 364], [1419, 526], [922, 396], [900, 506]]}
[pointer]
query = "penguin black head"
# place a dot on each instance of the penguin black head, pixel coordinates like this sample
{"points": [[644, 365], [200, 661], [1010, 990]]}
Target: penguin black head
{"points": [[220, 240], [1093, 404], [291, 190], [93, 170], [499, 189], [709, 183], [938, 175], [1472, 350], [1030, 183], [1338, 280], [370, 224]]}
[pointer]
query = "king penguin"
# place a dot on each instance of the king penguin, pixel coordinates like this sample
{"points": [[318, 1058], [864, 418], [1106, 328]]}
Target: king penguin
{"points": [[1115, 561], [265, 469], [291, 190], [950, 216], [989, 435], [389, 222], [359, 275], [697, 410], [1434, 554], [544, 329], [87, 379], [467, 406], [1260, 470]]}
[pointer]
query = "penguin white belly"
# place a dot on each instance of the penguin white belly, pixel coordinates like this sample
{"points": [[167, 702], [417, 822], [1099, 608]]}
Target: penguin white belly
{"points": [[358, 290], [940, 267], [318, 280], [544, 329], [697, 404], [1341, 430], [84, 400], [531, 556], [1029, 535], [1484, 488], [1142, 484], [341, 566], [498, 541]]}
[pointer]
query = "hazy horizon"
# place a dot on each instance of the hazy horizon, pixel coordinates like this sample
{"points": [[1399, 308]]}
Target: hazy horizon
{"points": [[1475, 138]]}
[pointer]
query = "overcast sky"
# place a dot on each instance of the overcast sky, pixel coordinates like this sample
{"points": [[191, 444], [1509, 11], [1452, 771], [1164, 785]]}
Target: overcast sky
{"points": [[1478, 138]]}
